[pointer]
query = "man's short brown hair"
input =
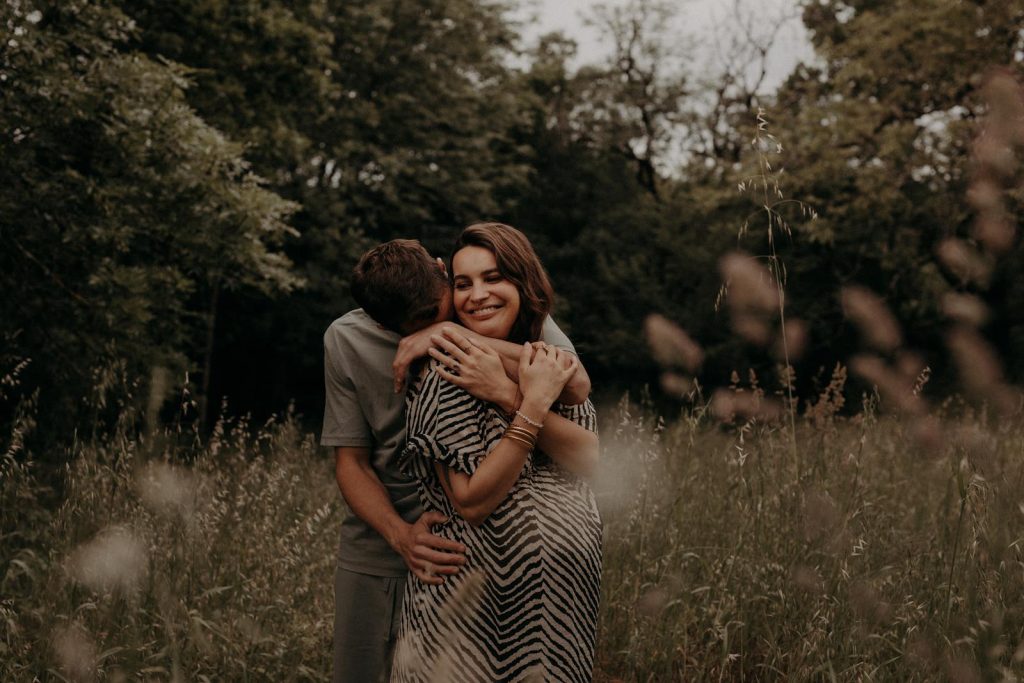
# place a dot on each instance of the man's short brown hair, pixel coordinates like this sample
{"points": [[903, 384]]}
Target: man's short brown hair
{"points": [[399, 285]]}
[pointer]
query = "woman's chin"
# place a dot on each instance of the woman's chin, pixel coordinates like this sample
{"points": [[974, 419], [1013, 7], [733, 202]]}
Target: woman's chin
{"points": [[494, 329]]}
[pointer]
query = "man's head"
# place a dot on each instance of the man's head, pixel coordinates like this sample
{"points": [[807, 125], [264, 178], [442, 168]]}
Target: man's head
{"points": [[401, 286]]}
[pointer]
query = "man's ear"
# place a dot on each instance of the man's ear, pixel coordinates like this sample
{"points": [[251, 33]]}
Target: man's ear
{"points": [[440, 264]]}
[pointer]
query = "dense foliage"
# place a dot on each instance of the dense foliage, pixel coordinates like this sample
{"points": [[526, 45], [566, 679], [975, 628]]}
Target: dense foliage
{"points": [[187, 185]]}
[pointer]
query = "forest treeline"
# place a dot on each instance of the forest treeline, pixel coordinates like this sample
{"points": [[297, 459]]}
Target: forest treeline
{"points": [[187, 185]]}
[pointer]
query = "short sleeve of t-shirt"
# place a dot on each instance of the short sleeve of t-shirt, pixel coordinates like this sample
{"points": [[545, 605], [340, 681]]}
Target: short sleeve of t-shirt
{"points": [[344, 421], [550, 333]]}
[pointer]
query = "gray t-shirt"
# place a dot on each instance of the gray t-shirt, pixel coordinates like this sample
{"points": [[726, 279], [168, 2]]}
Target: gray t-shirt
{"points": [[362, 410]]}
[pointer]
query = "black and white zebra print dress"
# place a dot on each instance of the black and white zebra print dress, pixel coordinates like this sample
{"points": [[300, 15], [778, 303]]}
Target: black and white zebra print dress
{"points": [[524, 608]]}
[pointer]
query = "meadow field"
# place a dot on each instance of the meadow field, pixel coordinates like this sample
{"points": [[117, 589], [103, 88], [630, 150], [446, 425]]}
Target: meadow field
{"points": [[186, 187], [861, 551]]}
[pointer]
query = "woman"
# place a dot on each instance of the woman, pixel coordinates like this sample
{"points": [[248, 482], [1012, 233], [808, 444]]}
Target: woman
{"points": [[524, 607]]}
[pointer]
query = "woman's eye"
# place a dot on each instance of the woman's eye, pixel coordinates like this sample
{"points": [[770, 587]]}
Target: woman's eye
{"points": [[461, 285], [494, 278]]}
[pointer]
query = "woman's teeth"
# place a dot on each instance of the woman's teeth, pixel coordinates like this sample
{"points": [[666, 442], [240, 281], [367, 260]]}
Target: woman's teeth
{"points": [[485, 310]]}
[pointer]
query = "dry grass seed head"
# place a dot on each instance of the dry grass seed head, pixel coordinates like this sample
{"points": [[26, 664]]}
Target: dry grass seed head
{"points": [[114, 561], [466, 600], [831, 399], [965, 308], [895, 389], [872, 317], [167, 489], [964, 262], [1005, 98], [750, 285], [985, 194], [996, 231], [670, 344], [796, 334], [910, 365], [75, 652], [980, 368], [726, 405], [752, 326], [920, 652], [652, 602], [676, 385], [867, 604], [807, 579]]}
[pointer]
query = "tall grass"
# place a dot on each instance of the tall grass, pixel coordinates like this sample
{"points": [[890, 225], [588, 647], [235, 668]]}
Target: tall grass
{"points": [[867, 558], [172, 558], [725, 559]]}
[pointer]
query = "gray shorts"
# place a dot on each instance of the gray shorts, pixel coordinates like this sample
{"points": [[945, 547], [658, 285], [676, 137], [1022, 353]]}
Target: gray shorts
{"points": [[367, 613]]}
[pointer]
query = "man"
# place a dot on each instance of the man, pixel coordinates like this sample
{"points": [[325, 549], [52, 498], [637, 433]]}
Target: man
{"points": [[403, 292]]}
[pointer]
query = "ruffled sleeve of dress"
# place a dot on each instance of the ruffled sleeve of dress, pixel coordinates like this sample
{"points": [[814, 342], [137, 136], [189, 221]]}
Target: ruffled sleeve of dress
{"points": [[445, 424], [582, 414]]}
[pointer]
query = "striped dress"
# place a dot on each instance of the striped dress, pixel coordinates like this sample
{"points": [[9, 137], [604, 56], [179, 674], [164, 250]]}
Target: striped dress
{"points": [[524, 607]]}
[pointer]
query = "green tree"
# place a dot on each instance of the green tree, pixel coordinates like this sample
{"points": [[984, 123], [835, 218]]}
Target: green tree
{"points": [[382, 119], [123, 212], [877, 141]]}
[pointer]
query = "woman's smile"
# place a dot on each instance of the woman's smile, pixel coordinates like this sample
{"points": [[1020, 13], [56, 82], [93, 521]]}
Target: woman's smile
{"points": [[485, 311]]}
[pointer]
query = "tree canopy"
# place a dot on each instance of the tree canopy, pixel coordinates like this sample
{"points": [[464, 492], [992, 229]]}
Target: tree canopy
{"points": [[188, 184]]}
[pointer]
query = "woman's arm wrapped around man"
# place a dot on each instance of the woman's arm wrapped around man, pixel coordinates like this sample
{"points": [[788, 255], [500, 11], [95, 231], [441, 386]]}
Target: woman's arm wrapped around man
{"points": [[542, 374]]}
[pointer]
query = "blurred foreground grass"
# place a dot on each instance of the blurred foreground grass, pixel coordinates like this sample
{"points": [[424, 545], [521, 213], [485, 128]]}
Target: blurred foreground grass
{"points": [[863, 556]]}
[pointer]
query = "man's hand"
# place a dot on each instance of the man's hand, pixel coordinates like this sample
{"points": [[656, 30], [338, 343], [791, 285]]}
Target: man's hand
{"points": [[475, 367], [412, 348], [565, 359], [429, 557]]}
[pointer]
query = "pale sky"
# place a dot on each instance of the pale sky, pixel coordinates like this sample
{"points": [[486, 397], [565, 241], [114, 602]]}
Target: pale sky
{"points": [[698, 20]]}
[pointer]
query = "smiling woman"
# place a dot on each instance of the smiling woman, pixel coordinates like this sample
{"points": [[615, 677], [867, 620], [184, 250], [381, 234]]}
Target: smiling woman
{"points": [[500, 287], [509, 486]]}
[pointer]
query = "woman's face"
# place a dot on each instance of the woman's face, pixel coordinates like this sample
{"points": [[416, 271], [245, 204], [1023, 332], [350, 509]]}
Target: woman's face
{"points": [[485, 301]]}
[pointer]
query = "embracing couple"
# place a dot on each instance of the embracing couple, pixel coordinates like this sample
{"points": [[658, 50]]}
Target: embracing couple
{"points": [[472, 480]]}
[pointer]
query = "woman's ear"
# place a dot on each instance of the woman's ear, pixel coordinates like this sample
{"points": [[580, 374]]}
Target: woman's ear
{"points": [[440, 264]]}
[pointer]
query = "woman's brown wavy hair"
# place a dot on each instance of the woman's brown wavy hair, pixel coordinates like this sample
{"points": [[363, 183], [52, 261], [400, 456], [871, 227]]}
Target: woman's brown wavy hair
{"points": [[519, 264]]}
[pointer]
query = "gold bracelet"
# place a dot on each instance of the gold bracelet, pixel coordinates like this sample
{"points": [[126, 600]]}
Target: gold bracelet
{"points": [[512, 430], [521, 431], [529, 446], [526, 442]]}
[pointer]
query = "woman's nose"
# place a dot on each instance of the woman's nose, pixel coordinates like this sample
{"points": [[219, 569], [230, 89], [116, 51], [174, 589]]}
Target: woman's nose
{"points": [[479, 291]]}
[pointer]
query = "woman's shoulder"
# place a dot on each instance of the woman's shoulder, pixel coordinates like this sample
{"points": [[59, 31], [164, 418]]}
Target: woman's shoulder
{"points": [[431, 388]]}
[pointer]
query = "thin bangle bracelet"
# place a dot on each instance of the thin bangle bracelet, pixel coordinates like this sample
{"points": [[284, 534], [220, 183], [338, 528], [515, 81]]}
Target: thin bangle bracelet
{"points": [[532, 423], [529, 446], [522, 431]]}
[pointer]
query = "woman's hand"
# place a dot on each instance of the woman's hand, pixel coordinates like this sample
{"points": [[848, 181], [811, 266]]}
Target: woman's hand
{"points": [[543, 372], [475, 367]]}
